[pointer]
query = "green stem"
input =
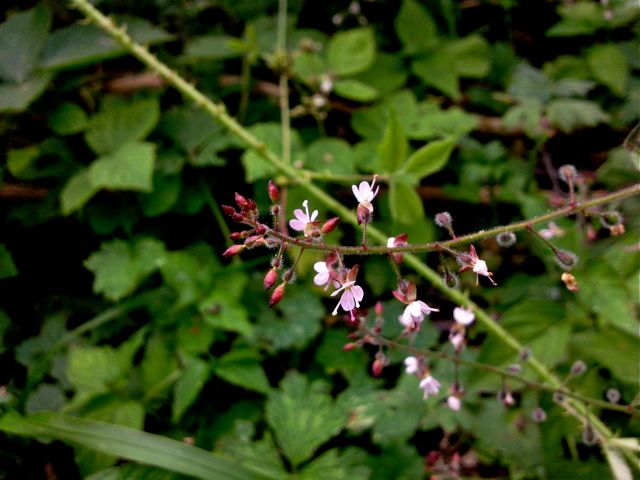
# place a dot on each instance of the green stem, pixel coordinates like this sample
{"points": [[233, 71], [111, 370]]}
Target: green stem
{"points": [[283, 65], [219, 112]]}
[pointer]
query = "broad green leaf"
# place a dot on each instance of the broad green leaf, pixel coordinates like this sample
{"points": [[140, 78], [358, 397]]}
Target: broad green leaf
{"points": [[609, 67], [387, 73], [371, 122], [165, 194], [210, 47], [571, 114], [392, 149], [114, 270], [242, 367], [68, 118], [21, 160], [224, 313], [309, 67], [352, 51], [79, 45], [432, 122], [191, 128], [528, 83], [130, 167], [120, 121], [405, 203], [257, 167], [435, 69], [337, 467], [159, 362], [471, 56], [93, 369], [45, 398], [330, 155], [7, 267], [580, 18], [355, 90], [188, 387], [131, 471], [127, 443], [431, 158], [77, 191], [302, 417], [16, 97], [526, 115], [22, 37], [415, 27]]}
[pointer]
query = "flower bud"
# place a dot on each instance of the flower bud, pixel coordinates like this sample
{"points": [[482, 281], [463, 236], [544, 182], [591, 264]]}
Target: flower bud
{"points": [[277, 294], [566, 260], [538, 415], [444, 220], [261, 229], [613, 395], [250, 205], [240, 201], [270, 278], [376, 367], [233, 250], [578, 368], [589, 436], [363, 214], [274, 192], [347, 347], [558, 397], [228, 210], [567, 173], [506, 239], [330, 225], [379, 309], [236, 236]]}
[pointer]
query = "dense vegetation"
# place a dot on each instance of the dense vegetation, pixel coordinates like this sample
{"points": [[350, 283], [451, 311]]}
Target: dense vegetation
{"points": [[119, 314]]}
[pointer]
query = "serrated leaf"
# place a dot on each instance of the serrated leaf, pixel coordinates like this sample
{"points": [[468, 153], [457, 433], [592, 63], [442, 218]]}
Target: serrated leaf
{"points": [[93, 369], [315, 419], [355, 90], [114, 270], [68, 118], [16, 97], [120, 121], [431, 158], [22, 37], [186, 389], [415, 27], [392, 149], [257, 167], [77, 191], [405, 203], [351, 51], [570, 114], [242, 367], [435, 70], [471, 56], [432, 122], [330, 155], [220, 311], [609, 67], [130, 167], [127, 443]]}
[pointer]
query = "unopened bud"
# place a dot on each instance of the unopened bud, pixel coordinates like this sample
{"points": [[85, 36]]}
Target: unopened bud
{"points": [[251, 204], [578, 368], [261, 229], [567, 173], [363, 214], [538, 415], [277, 294], [589, 436], [330, 225], [613, 395], [270, 278], [444, 220], [506, 239], [566, 260], [379, 309], [376, 367], [235, 236], [506, 398], [611, 219], [617, 230], [525, 353], [514, 368], [347, 347], [570, 282], [274, 192], [240, 201], [228, 210], [558, 397], [233, 250]]}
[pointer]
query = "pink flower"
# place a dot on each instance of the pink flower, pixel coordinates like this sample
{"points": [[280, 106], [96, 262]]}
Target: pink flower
{"points": [[471, 261], [323, 275], [411, 365], [430, 386], [352, 294], [454, 403], [414, 313], [463, 316], [303, 219], [551, 231], [364, 193]]}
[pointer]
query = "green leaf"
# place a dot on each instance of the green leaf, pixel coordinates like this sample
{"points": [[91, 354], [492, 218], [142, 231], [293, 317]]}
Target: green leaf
{"points": [[159, 362], [128, 444], [303, 417], [431, 158], [76, 192], [188, 387], [580, 18], [45, 398], [120, 121], [7, 267], [392, 149], [432, 122], [242, 367], [386, 74], [471, 55], [332, 155], [68, 118], [257, 167], [22, 37], [405, 203], [131, 471], [337, 467], [351, 51], [435, 70], [224, 313], [165, 194], [20, 160], [16, 97], [210, 47], [570, 114], [355, 90], [415, 27], [79, 45], [130, 167], [93, 369], [609, 67]]}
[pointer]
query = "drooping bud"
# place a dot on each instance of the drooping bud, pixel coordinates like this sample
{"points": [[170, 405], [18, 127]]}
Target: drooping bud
{"points": [[566, 260], [347, 347], [412, 293], [506, 239], [567, 173], [274, 192], [240, 201], [270, 278], [233, 250], [589, 436], [228, 210], [443, 219], [525, 354], [236, 236], [538, 415], [377, 367], [330, 225], [379, 309], [578, 368], [261, 229], [277, 294], [613, 395]]}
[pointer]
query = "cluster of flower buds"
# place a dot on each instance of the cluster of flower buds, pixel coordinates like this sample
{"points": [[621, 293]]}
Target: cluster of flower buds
{"points": [[246, 214]]}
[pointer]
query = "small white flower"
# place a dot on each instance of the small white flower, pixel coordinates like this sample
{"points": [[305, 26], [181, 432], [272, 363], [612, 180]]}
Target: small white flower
{"points": [[454, 403], [351, 297], [391, 242], [551, 231], [411, 365], [480, 267], [457, 340], [365, 194], [302, 218], [414, 313], [463, 316], [430, 386], [323, 275]]}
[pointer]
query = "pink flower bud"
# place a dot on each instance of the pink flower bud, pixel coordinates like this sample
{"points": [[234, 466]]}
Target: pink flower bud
{"points": [[274, 192], [347, 347], [330, 225], [235, 236], [251, 204], [277, 294], [376, 367], [228, 210], [270, 278], [233, 250], [240, 200], [379, 309], [261, 229], [363, 214]]}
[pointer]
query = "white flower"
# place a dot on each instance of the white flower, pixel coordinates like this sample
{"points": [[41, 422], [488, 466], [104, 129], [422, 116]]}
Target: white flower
{"points": [[351, 297], [454, 403], [414, 313], [430, 386], [391, 242], [457, 340], [302, 218], [365, 194], [463, 316], [480, 267], [411, 365], [551, 231], [323, 275]]}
